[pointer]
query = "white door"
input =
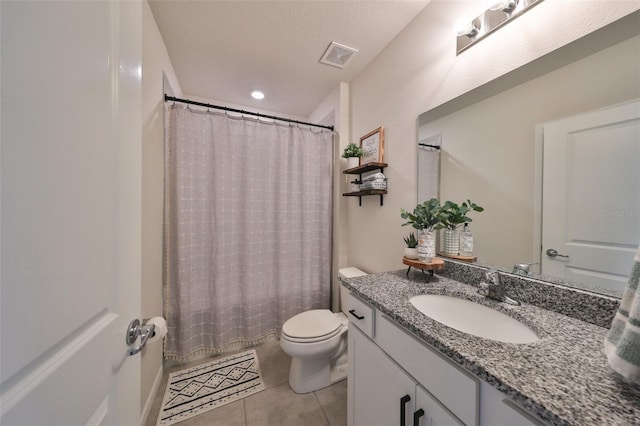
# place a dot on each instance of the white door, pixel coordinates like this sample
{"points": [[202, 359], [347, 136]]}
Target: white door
{"points": [[70, 211], [591, 196]]}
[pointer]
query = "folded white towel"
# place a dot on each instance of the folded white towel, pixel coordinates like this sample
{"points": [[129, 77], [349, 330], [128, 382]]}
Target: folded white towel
{"points": [[374, 177], [622, 343]]}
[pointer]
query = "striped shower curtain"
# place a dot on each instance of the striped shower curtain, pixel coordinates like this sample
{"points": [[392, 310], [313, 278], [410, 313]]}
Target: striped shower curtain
{"points": [[247, 229]]}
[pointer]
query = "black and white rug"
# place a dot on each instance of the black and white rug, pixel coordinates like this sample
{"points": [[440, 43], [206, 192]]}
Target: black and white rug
{"points": [[199, 389]]}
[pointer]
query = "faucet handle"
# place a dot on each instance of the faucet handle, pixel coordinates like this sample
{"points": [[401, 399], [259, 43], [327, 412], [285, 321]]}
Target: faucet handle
{"points": [[522, 268], [493, 277], [484, 289]]}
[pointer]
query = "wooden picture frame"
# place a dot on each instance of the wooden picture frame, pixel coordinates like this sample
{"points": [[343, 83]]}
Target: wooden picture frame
{"points": [[373, 146]]}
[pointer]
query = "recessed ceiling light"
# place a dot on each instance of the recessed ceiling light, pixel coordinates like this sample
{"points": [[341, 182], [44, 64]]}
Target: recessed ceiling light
{"points": [[257, 94]]}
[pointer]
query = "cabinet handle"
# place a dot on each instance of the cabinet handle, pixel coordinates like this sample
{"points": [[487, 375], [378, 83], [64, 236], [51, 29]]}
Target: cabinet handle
{"points": [[416, 417], [353, 312], [403, 408]]}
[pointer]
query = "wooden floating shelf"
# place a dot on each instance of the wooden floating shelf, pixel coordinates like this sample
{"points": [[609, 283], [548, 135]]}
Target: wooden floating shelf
{"points": [[470, 259], [369, 167], [364, 168], [367, 192]]}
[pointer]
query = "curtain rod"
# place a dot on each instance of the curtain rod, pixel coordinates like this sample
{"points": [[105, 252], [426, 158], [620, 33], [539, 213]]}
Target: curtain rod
{"points": [[429, 146], [168, 98]]}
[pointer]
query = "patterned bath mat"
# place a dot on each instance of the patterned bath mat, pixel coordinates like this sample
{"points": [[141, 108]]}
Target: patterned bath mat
{"points": [[199, 389]]}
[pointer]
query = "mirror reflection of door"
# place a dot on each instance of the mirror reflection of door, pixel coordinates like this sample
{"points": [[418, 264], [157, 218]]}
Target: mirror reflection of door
{"points": [[591, 197]]}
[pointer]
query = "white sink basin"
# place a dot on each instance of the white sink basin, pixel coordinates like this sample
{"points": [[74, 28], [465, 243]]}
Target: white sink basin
{"points": [[473, 318]]}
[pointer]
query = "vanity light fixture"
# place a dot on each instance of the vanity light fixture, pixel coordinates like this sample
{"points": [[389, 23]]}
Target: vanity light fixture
{"points": [[501, 13], [257, 94], [471, 29], [507, 6]]}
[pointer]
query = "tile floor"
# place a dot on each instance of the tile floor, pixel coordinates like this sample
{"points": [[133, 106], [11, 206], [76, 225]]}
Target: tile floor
{"points": [[277, 405]]}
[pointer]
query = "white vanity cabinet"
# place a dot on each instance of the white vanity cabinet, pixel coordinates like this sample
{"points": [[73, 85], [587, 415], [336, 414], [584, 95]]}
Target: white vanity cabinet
{"points": [[391, 373], [380, 391], [384, 394], [378, 383], [496, 409], [360, 314]]}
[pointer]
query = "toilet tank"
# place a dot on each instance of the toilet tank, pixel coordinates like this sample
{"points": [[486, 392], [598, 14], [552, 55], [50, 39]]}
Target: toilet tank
{"points": [[347, 273]]}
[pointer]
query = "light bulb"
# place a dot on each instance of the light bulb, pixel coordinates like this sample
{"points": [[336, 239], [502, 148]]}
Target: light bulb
{"points": [[257, 94]]}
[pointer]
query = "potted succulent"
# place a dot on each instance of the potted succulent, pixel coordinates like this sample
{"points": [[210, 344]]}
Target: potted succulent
{"points": [[411, 251], [352, 153], [452, 217], [424, 218]]}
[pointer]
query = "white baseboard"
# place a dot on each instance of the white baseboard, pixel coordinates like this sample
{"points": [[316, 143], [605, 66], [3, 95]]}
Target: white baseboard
{"points": [[151, 397]]}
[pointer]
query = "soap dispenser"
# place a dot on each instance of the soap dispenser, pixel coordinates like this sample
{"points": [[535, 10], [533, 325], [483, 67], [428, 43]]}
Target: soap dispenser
{"points": [[466, 241]]}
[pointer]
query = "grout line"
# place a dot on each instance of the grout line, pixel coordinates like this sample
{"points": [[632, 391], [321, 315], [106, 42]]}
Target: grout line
{"points": [[322, 408], [244, 410]]}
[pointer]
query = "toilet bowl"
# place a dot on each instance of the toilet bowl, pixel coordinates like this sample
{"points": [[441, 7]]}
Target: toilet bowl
{"points": [[316, 340]]}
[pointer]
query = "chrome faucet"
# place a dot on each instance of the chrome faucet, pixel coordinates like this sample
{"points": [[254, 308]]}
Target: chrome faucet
{"points": [[493, 288], [522, 268]]}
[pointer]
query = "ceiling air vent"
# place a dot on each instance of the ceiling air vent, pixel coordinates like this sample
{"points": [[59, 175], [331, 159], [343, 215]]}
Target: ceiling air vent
{"points": [[338, 55]]}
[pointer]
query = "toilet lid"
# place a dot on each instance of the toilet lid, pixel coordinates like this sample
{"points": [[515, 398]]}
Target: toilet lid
{"points": [[310, 324]]}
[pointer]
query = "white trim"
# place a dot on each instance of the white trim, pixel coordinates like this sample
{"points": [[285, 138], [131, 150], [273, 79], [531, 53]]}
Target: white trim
{"points": [[146, 410], [99, 418], [538, 163], [37, 374]]}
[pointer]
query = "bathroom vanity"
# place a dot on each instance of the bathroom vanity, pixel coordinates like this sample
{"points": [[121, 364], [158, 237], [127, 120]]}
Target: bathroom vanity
{"points": [[408, 369]]}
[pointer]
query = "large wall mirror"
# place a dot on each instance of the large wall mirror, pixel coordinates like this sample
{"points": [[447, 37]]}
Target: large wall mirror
{"points": [[492, 153]]}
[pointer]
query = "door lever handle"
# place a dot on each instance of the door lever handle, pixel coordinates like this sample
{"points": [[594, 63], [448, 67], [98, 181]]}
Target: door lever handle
{"points": [[554, 253], [135, 329]]}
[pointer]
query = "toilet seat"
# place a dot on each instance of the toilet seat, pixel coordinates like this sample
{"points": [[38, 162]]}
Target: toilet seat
{"points": [[312, 326]]}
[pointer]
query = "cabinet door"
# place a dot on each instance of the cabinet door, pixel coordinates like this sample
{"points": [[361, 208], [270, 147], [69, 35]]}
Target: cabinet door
{"points": [[378, 385], [454, 388], [434, 413], [496, 409]]}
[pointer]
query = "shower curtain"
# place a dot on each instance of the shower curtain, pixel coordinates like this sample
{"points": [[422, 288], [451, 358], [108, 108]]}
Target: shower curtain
{"points": [[247, 234]]}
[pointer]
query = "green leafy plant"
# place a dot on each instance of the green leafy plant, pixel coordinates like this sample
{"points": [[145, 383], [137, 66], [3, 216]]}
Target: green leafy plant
{"points": [[411, 240], [352, 150], [453, 215], [424, 216]]}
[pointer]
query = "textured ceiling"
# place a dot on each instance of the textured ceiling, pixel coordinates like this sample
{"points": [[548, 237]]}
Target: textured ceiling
{"points": [[222, 50]]}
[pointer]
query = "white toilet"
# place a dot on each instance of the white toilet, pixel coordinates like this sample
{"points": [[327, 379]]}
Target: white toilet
{"points": [[316, 340]]}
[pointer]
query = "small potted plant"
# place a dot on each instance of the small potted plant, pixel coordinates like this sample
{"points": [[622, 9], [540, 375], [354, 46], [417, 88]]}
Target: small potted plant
{"points": [[453, 216], [411, 251], [352, 153], [424, 218]]}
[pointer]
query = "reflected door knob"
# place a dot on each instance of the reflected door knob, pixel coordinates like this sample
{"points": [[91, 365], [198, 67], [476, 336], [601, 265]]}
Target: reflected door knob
{"points": [[554, 253]]}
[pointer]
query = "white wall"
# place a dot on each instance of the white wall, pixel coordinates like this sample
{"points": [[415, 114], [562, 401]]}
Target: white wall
{"points": [[155, 65], [419, 71], [336, 104], [489, 154]]}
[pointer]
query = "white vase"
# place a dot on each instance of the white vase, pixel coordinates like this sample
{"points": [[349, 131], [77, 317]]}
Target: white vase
{"points": [[426, 245], [451, 241], [410, 253], [353, 162]]}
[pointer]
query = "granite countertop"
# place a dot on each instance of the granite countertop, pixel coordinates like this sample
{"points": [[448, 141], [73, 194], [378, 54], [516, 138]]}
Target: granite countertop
{"points": [[562, 379]]}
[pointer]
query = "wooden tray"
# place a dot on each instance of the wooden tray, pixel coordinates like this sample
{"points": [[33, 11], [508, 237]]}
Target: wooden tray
{"points": [[458, 257], [435, 265]]}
